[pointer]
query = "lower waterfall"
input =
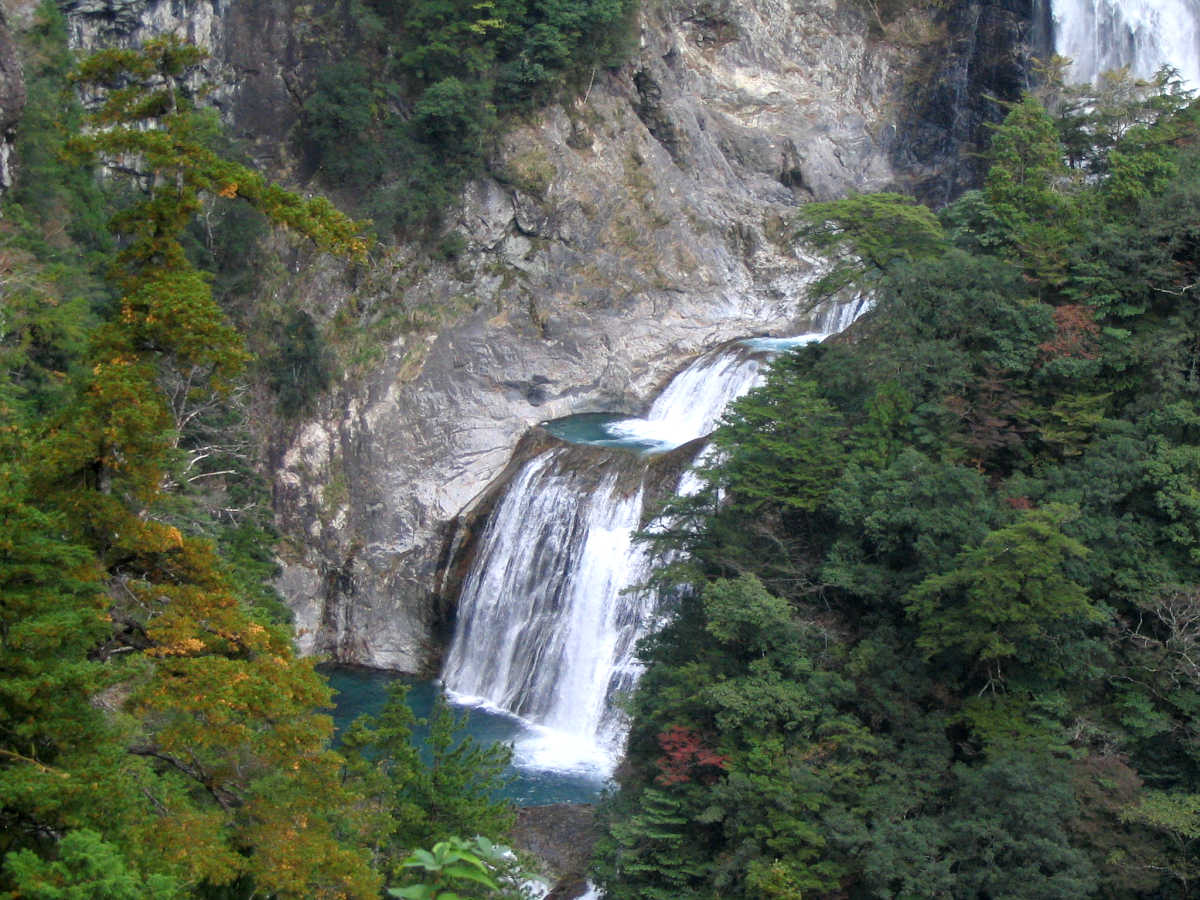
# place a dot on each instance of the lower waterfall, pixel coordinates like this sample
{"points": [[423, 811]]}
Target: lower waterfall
{"points": [[546, 629], [548, 617]]}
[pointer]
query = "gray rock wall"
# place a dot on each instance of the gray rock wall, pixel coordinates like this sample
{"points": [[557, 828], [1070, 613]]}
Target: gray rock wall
{"points": [[625, 232], [631, 231], [12, 101]]}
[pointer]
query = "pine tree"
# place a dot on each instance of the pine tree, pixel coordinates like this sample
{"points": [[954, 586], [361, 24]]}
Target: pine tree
{"points": [[226, 765]]}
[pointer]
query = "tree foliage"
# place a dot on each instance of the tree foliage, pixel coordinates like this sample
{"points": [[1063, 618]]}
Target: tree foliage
{"points": [[149, 716], [415, 107], [933, 616]]}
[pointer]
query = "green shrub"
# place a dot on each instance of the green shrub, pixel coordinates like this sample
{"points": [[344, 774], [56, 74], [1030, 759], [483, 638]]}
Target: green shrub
{"points": [[339, 119]]}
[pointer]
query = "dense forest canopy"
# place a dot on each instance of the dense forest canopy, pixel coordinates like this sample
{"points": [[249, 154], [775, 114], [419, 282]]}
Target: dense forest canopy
{"points": [[936, 627]]}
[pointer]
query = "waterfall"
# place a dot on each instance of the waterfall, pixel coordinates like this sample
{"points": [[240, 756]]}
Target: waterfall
{"points": [[546, 627], [1141, 34], [547, 622], [693, 402]]}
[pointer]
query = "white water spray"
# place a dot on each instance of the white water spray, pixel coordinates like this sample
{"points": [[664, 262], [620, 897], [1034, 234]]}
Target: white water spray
{"points": [[692, 404], [546, 629], [1142, 35]]}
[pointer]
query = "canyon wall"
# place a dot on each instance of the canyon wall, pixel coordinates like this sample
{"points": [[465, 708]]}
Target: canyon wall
{"points": [[621, 233], [627, 233]]}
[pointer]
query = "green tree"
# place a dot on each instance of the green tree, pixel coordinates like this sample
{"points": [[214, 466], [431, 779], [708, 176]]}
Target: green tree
{"points": [[60, 756], [88, 868], [1028, 189], [339, 121], [864, 235], [1176, 816], [1006, 832], [213, 705], [1008, 609], [416, 801]]}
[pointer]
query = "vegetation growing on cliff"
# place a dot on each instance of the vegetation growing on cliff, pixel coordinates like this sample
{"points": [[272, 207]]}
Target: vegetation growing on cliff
{"points": [[412, 111], [937, 619]]}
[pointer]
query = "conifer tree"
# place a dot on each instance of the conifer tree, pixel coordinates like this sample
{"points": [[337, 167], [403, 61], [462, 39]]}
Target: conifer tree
{"points": [[225, 772]]}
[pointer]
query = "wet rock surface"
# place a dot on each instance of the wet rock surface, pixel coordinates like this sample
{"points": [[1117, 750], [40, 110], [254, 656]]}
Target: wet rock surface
{"points": [[958, 86], [560, 836]]}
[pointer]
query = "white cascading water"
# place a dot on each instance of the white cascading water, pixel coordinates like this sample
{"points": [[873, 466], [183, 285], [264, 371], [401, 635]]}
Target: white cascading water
{"points": [[545, 630], [547, 622], [1142, 35], [693, 402]]}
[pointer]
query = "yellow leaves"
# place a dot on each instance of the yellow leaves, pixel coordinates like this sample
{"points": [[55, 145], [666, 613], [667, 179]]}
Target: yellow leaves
{"points": [[229, 191], [115, 362], [182, 647]]}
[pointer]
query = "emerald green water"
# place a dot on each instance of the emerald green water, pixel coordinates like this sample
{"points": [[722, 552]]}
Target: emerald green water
{"points": [[592, 429], [363, 691]]}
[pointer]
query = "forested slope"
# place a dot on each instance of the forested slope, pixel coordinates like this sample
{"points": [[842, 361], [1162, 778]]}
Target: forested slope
{"points": [[936, 630]]}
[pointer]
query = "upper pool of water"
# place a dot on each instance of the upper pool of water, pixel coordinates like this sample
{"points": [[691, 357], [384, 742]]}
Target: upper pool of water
{"points": [[599, 430], [535, 781], [690, 406], [780, 344]]}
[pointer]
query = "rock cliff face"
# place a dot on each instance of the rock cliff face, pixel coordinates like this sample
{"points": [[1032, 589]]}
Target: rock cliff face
{"points": [[955, 88], [262, 54], [624, 232], [632, 231], [12, 100]]}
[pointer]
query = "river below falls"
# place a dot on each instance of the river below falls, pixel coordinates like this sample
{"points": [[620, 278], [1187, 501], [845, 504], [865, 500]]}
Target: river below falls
{"points": [[534, 782]]}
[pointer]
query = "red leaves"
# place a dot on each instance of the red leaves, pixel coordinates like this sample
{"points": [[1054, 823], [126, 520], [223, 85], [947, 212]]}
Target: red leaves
{"points": [[993, 418], [1075, 334], [686, 757]]}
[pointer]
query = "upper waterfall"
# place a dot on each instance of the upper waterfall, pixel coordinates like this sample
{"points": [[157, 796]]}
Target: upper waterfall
{"points": [[1142, 35], [693, 402]]}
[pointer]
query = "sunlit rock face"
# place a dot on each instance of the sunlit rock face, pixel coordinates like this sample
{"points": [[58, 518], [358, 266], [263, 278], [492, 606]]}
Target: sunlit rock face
{"points": [[625, 232]]}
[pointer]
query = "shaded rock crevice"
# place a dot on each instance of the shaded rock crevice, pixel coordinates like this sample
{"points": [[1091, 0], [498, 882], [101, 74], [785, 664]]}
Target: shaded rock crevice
{"points": [[958, 85]]}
